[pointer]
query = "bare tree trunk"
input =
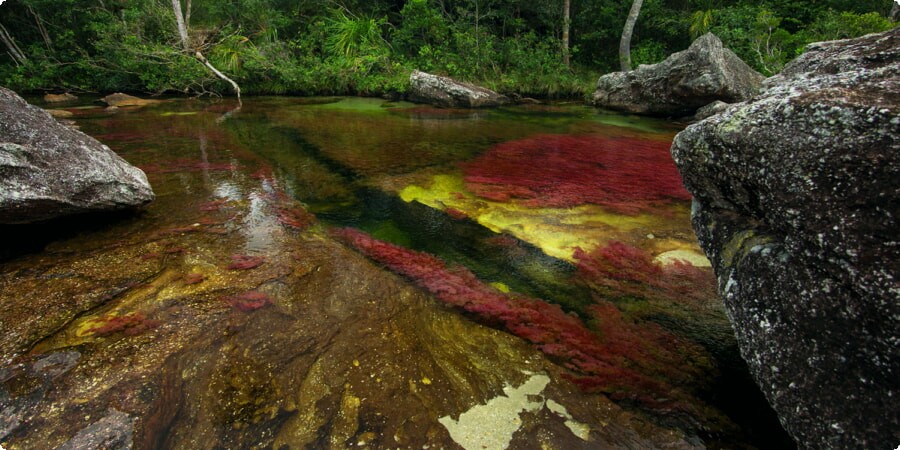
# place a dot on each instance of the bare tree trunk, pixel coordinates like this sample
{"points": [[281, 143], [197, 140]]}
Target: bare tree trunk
{"points": [[14, 51], [187, 16], [565, 30], [625, 43], [41, 29], [185, 42], [182, 28]]}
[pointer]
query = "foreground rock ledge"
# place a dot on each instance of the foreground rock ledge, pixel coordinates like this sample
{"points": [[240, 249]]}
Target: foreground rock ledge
{"points": [[797, 206], [683, 83], [448, 93], [48, 170]]}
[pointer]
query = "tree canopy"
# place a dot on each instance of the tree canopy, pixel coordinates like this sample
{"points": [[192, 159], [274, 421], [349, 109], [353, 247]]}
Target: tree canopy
{"points": [[369, 47]]}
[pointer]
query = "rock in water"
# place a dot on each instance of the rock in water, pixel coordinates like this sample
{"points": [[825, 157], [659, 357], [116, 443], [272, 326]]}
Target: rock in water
{"points": [[48, 170], [59, 98], [119, 99], [448, 93], [681, 84], [797, 207]]}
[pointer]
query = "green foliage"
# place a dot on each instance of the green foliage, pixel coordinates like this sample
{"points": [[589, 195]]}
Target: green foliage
{"points": [[834, 25], [369, 47], [349, 35], [701, 22]]}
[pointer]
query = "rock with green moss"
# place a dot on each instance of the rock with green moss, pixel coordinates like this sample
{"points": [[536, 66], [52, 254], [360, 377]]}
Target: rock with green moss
{"points": [[796, 206]]}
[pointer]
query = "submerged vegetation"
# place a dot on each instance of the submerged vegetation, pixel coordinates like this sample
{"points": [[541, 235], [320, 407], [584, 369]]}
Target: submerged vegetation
{"points": [[367, 48]]}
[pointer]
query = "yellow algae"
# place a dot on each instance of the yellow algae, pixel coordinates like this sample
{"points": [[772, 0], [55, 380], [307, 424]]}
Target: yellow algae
{"points": [[556, 231], [502, 287], [693, 258]]}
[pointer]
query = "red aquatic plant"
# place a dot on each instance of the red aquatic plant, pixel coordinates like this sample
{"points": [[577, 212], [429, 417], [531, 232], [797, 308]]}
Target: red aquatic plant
{"points": [[213, 205], [248, 301], [245, 262], [193, 278], [630, 359], [456, 214], [622, 270], [149, 256], [294, 217], [130, 325], [623, 174]]}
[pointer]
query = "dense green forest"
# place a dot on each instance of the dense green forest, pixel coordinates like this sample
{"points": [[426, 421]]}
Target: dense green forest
{"points": [[363, 47]]}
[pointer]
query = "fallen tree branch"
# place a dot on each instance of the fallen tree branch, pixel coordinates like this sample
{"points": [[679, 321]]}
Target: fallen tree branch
{"points": [[14, 50], [237, 89]]}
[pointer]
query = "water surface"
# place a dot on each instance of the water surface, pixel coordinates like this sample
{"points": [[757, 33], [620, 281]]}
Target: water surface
{"points": [[336, 272]]}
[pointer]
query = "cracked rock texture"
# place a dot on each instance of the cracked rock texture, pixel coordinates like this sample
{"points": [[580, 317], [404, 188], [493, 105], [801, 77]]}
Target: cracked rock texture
{"points": [[796, 206], [48, 170], [448, 93], [682, 83]]}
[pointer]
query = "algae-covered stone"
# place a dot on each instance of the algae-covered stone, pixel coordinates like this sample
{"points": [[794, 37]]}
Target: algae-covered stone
{"points": [[796, 207]]}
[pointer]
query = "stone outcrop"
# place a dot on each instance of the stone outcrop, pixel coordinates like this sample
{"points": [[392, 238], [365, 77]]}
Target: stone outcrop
{"points": [[48, 170], [796, 206], [710, 110], [449, 93], [682, 83], [59, 98], [119, 100]]}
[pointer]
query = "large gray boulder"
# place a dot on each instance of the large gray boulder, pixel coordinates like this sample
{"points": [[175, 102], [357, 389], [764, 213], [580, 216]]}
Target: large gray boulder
{"points": [[48, 170], [682, 83], [449, 93], [797, 206]]}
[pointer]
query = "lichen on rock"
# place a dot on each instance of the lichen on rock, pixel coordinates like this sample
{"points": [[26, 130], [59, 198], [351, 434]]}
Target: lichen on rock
{"points": [[796, 207]]}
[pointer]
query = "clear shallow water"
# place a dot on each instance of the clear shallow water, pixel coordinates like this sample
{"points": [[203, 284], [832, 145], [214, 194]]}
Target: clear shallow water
{"points": [[493, 216]]}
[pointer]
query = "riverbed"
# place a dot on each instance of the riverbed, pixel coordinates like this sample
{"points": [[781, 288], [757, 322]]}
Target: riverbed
{"points": [[352, 272]]}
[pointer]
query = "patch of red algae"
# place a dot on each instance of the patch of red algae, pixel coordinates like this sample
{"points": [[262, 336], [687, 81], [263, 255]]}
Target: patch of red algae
{"points": [[288, 211], [193, 278], [625, 359], [624, 174], [245, 262], [622, 270], [456, 214], [129, 325], [213, 205], [248, 301]]}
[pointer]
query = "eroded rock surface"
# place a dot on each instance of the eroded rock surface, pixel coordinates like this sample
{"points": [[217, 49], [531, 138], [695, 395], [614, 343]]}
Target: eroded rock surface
{"points": [[796, 206], [682, 83], [48, 170], [449, 93]]}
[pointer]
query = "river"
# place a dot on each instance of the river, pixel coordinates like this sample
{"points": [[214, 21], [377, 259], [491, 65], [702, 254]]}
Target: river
{"points": [[343, 272]]}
